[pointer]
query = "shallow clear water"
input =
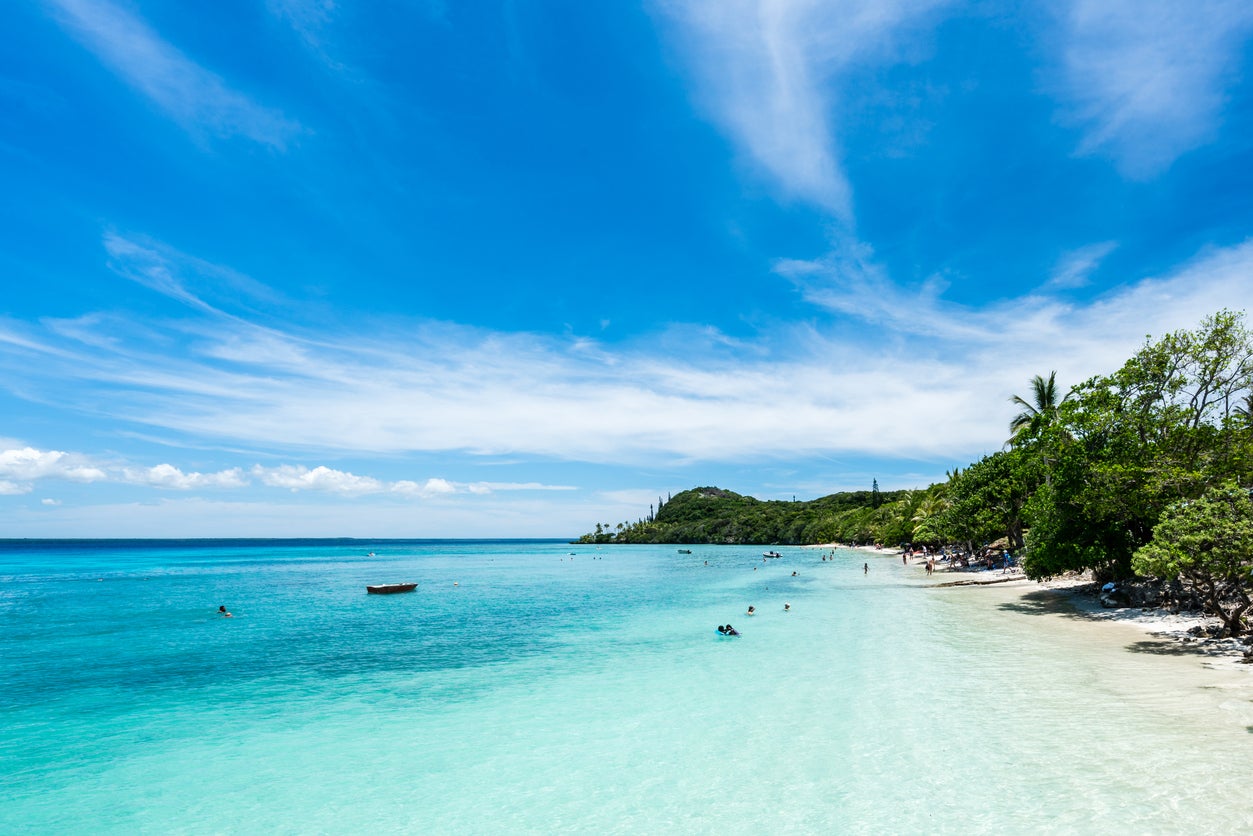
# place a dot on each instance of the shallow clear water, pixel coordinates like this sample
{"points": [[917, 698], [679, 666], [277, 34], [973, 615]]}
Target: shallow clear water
{"points": [[525, 689]]}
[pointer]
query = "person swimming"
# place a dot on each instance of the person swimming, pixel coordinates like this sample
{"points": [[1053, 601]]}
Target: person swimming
{"points": [[752, 610], [787, 607], [222, 612], [731, 631]]}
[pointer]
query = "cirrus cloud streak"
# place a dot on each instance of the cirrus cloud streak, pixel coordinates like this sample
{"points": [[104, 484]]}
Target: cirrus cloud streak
{"points": [[191, 95], [909, 375]]}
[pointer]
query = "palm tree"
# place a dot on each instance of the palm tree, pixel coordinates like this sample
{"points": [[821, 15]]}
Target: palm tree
{"points": [[1245, 410], [1040, 410], [932, 505]]}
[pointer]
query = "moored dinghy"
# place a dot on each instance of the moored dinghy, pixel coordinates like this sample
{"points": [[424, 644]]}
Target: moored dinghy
{"points": [[389, 588]]}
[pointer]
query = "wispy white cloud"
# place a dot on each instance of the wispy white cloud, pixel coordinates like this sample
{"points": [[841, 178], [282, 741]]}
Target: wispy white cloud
{"points": [[309, 19], [767, 72], [192, 281], [996, 348], [306, 17], [1147, 79], [1075, 267], [498, 487], [531, 515], [22, 467], [193, 96], [443, 487], [902, 372]]}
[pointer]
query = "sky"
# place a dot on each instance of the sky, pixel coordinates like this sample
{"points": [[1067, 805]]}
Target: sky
{"points": [[416, 268]]}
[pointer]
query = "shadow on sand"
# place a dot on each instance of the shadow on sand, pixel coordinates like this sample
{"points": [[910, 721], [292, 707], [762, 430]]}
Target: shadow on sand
{"points": [[1167, 648], [1044, 602], [1064, 603]]}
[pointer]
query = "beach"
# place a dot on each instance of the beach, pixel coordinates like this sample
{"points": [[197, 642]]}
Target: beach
{"points": [[1188, 634], [542, 687]]}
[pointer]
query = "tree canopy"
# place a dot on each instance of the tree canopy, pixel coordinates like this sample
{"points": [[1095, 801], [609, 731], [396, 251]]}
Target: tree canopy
{"points": [[1208, 542]]}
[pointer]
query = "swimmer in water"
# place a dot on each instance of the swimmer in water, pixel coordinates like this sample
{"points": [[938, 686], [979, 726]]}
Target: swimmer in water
{"points": [[752, 610], [787, 607], [222, 612]]}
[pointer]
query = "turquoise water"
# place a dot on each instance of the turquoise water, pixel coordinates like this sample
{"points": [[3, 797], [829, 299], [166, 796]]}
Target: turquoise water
{"points": [[525, 689]]}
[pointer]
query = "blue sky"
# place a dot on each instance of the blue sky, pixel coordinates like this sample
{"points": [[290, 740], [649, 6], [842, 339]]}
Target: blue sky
{"points": [[425, 269]]}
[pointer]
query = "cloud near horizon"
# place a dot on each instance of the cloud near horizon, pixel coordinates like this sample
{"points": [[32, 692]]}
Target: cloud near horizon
{"points": [[21, 468]]}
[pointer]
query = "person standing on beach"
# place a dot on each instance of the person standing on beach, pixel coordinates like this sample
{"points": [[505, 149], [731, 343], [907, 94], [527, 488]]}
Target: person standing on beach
{"points": [[865, 568]]}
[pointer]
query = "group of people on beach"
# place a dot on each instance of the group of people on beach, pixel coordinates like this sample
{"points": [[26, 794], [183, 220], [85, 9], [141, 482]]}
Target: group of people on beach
{"points": [[986, 558]]}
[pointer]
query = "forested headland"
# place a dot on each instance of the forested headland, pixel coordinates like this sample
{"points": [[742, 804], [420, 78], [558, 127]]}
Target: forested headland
{"points": [[1142, 472], [714, 515]]}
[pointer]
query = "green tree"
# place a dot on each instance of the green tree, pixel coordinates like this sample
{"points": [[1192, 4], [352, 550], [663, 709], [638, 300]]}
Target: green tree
{"points": [[927, 516], [1208, 543], [987, 500], [1125, 446], [1037, 412]]}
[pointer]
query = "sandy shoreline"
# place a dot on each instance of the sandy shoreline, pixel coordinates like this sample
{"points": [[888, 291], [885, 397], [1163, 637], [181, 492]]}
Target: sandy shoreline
{"points": [[1073, 597]]}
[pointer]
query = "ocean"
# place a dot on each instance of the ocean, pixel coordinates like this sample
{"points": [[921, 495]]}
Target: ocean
{"points": [[544, 687]]}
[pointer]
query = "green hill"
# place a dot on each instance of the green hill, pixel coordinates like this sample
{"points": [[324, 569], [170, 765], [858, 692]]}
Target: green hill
{"points": [[715, 515]]}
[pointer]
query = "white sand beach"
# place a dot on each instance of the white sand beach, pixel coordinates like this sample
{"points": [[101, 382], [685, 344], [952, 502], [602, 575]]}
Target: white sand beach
{"points": [[1074, 598]]}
